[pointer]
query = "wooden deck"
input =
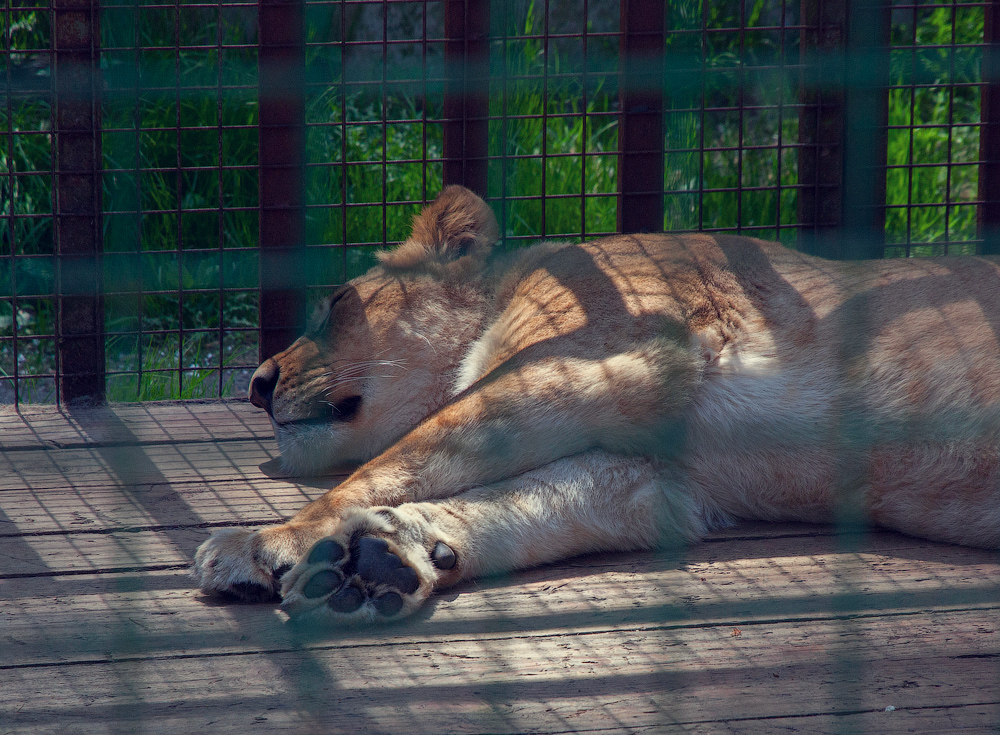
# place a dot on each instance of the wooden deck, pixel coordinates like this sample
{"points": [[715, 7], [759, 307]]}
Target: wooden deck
{"points": [[763, 628]]}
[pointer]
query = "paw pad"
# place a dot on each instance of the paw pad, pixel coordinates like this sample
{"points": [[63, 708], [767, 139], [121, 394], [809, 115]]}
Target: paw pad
{"points": [[328, 551], [389, 604], [322, 583], [362, 572], [377, 564], [347, 600]]}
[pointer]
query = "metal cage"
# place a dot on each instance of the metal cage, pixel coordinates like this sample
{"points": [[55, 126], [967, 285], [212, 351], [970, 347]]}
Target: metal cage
{"points": [[177, 178]]}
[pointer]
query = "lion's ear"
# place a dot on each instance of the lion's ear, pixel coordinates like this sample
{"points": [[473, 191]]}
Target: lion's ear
{"points": [[455, 225]]}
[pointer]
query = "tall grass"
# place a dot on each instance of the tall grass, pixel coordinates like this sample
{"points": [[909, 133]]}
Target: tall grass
{"points": [[732, 118], [180, 196], [937, 126], [553, 134], [180, 157], [27, 279]]}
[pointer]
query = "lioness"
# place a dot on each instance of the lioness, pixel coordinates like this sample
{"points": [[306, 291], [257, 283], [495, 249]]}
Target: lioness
{"points": [[516, 409]]}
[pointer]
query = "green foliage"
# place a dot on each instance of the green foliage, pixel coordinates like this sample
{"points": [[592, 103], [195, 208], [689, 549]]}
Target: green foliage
{"points": [[180, 196], [181, 153], [934, 126], [731, 117], [26, 143], [553, 133]]}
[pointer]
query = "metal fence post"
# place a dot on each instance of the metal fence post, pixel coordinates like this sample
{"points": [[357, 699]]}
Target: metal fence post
{"points": [[466, 100], [865, 125], [821, 123], [843, 132], [989, 135], [281, 84], [77, 201], [640, 132]]}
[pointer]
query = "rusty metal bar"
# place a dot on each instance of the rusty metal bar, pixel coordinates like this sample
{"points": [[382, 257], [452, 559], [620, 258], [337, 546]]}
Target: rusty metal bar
{"points": [[466, 100], [821, 123], [281, 59], [842, 128], [640, 130], [865, 125], [989, 135], [78, 205]]}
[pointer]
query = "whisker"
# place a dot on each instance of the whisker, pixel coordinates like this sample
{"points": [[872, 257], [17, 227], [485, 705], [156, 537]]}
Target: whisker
{"points": [[429, 343], [343, 381], [354, 368]]}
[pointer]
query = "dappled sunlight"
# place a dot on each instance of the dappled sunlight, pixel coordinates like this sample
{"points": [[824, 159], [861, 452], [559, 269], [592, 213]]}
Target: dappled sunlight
{"points": [[114, 488], [761, 621]]}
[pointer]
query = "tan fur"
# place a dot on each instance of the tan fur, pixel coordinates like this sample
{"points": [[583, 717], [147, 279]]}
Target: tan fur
{"points": [[449, 237], [618, 394]]}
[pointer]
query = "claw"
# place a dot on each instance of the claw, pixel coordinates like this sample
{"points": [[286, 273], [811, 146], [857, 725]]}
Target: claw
{"points": [[248, 592], [443, 556]]}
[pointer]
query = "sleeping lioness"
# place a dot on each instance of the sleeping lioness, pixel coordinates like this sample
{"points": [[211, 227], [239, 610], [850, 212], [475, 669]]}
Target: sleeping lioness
{"points": [[516, 409]]}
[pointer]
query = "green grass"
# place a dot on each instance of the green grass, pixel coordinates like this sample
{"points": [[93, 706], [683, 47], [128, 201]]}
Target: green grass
{"points": [[729, 93], [558, 148], [181, 259], [947, 134]]}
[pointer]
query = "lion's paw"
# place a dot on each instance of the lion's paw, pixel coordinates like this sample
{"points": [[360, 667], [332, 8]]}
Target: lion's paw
{"points": [[377, 566], [248, 565]]}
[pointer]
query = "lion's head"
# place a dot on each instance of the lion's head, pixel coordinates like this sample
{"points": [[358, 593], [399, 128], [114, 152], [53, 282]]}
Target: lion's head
{"points": [[381, 352]]}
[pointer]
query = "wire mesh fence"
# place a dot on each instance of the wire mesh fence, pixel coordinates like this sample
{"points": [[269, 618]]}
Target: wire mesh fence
{"points": [[934, 128], [176, 178], [180, 173]]}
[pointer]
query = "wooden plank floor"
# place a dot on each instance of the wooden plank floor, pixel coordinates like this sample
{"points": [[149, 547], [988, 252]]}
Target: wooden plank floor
{"points": [[762, 628]]}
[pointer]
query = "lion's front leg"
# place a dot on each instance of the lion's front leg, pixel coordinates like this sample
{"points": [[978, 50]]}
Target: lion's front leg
{"points": [[384, 562], [522, 418]]}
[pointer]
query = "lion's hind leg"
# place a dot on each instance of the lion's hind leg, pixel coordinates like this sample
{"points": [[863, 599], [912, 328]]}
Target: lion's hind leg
{"points": [[247, 566], [383, 563], [943, 491]]}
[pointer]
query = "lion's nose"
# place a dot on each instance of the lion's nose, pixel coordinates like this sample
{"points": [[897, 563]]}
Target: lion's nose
{"points": [[262, 384]]}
